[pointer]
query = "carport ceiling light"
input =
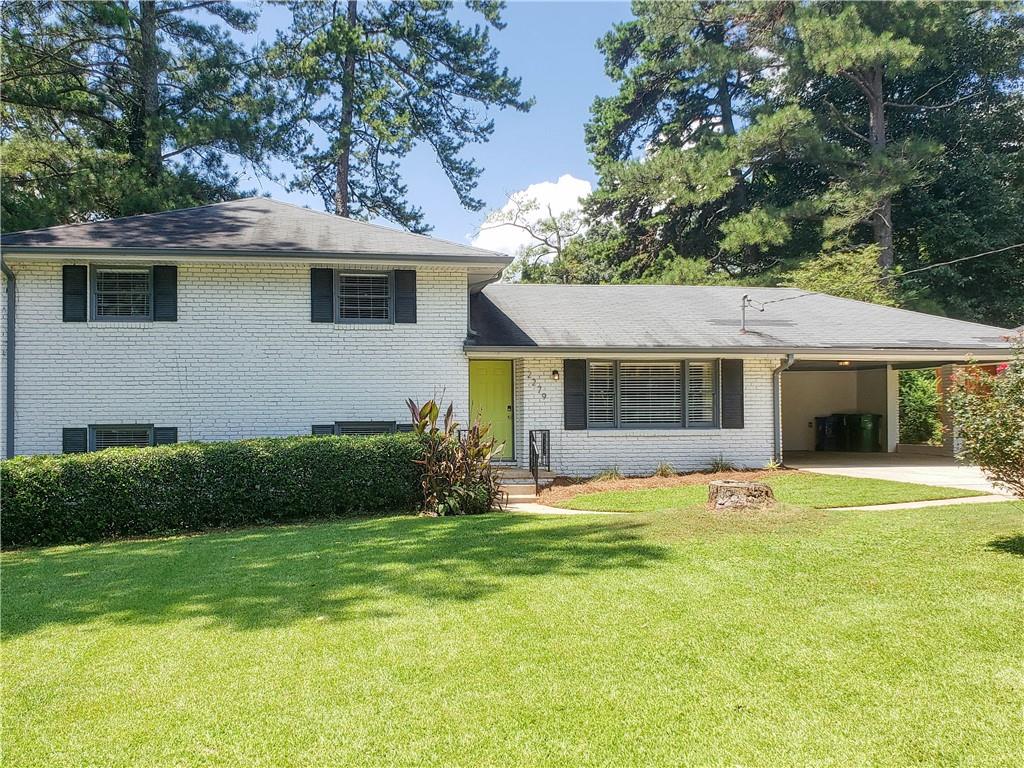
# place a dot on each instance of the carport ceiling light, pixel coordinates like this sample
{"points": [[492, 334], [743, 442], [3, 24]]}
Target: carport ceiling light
{"points": [[844, 363]]}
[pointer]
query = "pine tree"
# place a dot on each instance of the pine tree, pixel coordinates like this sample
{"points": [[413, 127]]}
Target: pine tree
{"points": [[681, 172], [370, 81], [112, 109]]}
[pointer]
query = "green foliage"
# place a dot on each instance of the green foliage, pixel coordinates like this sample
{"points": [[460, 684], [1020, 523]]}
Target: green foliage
{"points": [[457, 476], [368, 82], [196, 486], [612, 473], [920, 421], [748, 136], [850, 274], [665, 470], [696, 137], [113, 109], [989, 415], [721, 464]]}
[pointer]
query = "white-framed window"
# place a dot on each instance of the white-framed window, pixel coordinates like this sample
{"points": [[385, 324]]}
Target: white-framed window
{"points": [[672, 394], [122, 293], [365, 297], [102, 436]]}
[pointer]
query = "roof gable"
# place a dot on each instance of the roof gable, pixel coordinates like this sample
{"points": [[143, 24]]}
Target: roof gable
{"points": [[248, 226]]}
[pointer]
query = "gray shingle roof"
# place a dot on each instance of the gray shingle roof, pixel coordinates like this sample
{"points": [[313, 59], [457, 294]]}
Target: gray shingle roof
{"points": [[670, 317], [250, 226]]}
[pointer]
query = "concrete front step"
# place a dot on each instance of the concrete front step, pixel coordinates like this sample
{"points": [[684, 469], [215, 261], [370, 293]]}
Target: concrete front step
{"points": [[518, 492], [518, 483], [509, 474]]}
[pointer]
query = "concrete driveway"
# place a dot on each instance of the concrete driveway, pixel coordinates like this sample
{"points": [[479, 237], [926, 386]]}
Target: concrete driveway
{"points": [[927, 470]]}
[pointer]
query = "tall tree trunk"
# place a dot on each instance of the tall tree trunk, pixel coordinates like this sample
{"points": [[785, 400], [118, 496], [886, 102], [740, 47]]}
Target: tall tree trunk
{"points": [[149, 96], [881, 220], [348, 85], [739, 193]]}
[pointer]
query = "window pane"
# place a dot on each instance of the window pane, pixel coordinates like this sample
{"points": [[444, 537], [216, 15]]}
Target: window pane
{"points": [[121, 437], [364, 427], [650, 394], [601, 394], [122, 293], [364, 297], [700, 394]]}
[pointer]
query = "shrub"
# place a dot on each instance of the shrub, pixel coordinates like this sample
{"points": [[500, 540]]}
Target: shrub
{"points": [[195, 486], [920, 422], [665, 470], [988, 412], [612, 473], [721, 464], [457, 477]]}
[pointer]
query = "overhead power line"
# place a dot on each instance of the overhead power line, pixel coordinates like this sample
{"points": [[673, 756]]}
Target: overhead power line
{"points": [[760, 305]]}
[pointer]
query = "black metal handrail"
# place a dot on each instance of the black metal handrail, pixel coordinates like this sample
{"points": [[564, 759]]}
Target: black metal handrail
{"points": [[540, 454]]}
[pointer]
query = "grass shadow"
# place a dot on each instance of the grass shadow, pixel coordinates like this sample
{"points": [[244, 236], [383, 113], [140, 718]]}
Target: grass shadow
{"points": [[1013, 545], [266, 577]]}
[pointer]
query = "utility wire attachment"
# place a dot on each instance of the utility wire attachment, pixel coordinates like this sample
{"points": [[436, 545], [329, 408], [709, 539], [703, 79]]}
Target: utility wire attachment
{"points": [[753, 304]]}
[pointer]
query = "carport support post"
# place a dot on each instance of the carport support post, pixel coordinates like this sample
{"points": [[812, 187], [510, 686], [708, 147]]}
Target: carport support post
{"points": [[892, 409]]}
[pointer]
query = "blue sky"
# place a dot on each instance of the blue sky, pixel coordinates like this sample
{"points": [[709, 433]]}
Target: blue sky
{"points": [[551, 46]]}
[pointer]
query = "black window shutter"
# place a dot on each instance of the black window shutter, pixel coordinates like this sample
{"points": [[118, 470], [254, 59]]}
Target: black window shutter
{"points": [[76, 278], [321, 295], [165, 435], [732, 394], [165, 293], [323, 429], [405, 295], [75, 439], [574, 390]]}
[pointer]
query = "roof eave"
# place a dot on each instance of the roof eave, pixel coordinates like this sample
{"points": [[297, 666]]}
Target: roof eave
{"points": [[49, 253], [889, 354]]}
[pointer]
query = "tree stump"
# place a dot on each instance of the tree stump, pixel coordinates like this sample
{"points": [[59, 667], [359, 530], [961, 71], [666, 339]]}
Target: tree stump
{"points": [[736, 494]]}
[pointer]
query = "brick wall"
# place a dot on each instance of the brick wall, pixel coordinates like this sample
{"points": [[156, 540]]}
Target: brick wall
{"points": [[638, 452], [3, 366], [243, 359]]}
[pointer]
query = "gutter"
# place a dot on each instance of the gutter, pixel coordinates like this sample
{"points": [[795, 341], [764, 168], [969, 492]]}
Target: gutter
{"points": [[929, 355], [9, 397], [49, 253], [777, 406]]}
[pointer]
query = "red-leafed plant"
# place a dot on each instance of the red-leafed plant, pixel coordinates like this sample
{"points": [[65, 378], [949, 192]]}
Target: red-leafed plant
{"points": [[457, 476]]}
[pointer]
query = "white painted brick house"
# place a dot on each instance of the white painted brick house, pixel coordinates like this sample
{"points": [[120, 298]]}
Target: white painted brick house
{"points": [[257, 318]]}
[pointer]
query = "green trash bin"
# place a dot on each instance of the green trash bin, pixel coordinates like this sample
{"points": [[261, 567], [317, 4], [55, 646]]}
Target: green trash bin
{"points": [[848, 429], [868, 434], [859, 432]]}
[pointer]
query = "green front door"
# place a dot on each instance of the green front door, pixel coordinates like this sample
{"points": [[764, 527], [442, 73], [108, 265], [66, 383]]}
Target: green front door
{"points": [[490, 399]]}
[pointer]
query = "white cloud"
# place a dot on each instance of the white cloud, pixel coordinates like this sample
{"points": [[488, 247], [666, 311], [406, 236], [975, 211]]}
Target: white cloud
{"points": [[562, 195]]}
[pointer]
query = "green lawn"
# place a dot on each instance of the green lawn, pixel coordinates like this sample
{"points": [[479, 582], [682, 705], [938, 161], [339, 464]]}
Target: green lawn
{"points": [[795, 637], [804, 489]]}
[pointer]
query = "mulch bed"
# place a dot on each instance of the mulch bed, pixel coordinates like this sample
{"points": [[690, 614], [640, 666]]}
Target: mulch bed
{"points": [[565, 488]]}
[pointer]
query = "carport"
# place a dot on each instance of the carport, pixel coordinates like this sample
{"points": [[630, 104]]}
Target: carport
{"points": [[821, 388], [816, 384]]}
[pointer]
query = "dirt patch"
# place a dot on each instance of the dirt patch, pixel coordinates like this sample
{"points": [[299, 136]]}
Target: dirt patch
{"points": [[565, 488]]}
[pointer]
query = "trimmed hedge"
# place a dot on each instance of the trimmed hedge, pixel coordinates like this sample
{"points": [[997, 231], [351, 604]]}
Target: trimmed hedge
{"points": [[195, 486]]}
